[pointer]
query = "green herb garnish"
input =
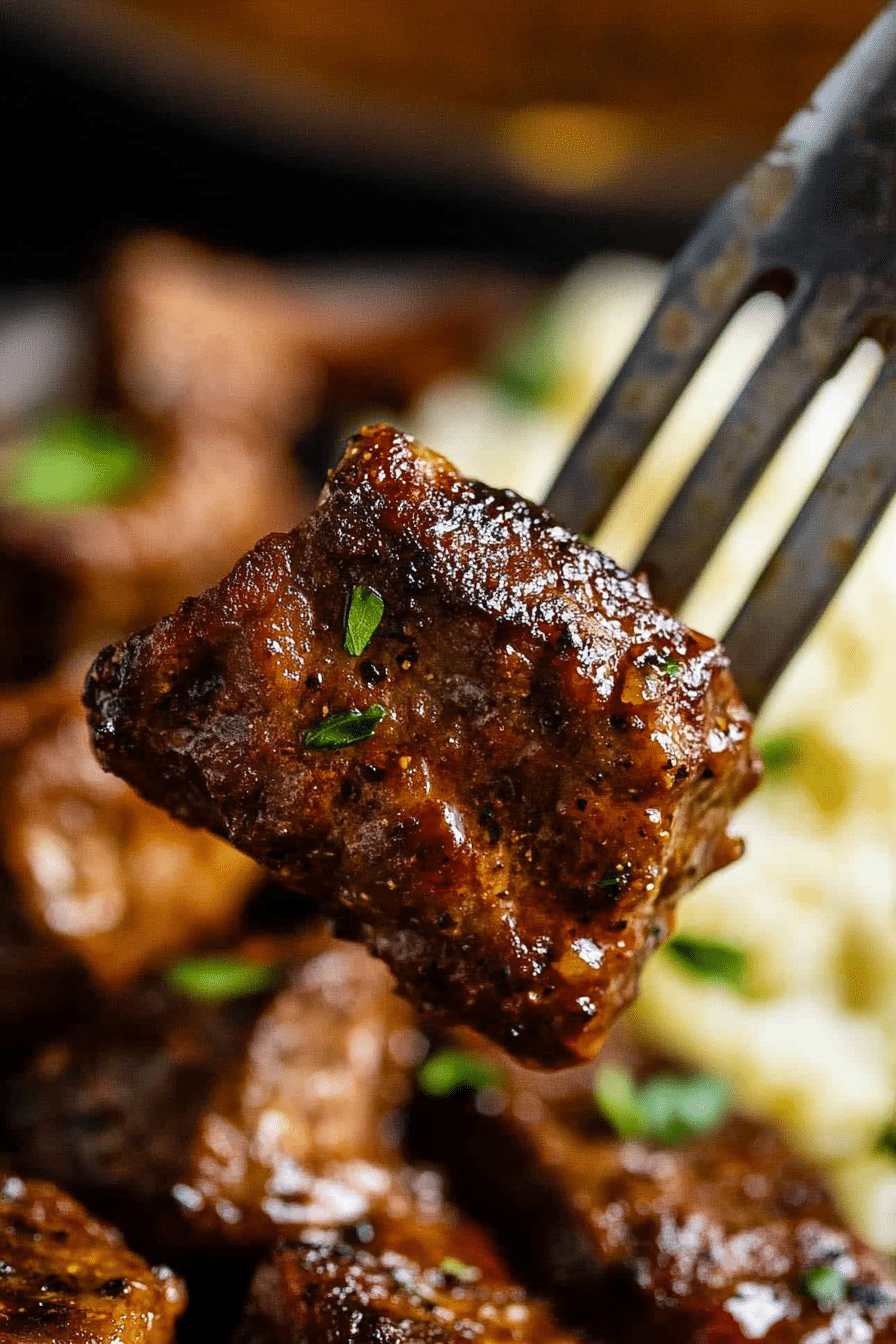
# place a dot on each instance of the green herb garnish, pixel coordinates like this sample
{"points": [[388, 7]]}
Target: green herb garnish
{"points": [[344, 728], [364, 615], [668, 1108], [826, 1284], [72, 460], [214, 979], [678, 1107], [615, 879], [887, 1141], [781, 753], [456, 1269], [709, 959], [528, 369], [448, 1071], [671, 668], [617, 1100]]}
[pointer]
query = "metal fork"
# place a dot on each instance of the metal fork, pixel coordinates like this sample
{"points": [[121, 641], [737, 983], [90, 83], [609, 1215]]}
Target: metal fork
{"points": [[814, 221]]}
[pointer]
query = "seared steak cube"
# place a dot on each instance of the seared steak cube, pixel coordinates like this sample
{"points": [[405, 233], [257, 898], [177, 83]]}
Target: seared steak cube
{"points": [[503, 785]]}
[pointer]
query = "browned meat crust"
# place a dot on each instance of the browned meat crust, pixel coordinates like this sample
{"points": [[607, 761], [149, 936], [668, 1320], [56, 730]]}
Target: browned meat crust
{"points": [[556, 765], [115, 881], [420, 1276], [203, 1125], [192, 338], [112, 878], [109, 1110], [710, 1241], [68, 1278]]}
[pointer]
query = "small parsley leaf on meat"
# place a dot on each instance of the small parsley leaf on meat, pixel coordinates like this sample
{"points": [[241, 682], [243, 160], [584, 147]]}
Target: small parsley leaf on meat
{"points": [[72, 461], [344, 728], [668, 1108], [364, 615], [214, 979], [448, 1071], [616, 1097], [614, 881], [826, 1284], [452, 1268]]}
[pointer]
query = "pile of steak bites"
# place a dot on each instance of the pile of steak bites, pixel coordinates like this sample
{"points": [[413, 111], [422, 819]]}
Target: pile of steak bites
{"points": [[466, 769]]}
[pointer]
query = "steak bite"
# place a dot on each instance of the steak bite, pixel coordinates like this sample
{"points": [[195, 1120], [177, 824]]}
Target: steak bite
{"points": [[109, 1107], [305, 1128], [202, 488], [191, 334], [68, 1278], [206, 1125], [99, 870], [419, 1273], [503, 786], [725, 1237]]}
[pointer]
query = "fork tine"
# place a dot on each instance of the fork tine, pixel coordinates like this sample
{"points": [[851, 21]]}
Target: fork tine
{"points": [[704, 287], [820, 547], [822, 326]]}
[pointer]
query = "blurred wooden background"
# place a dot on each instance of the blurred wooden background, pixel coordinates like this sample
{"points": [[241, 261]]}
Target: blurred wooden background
{"points": [[538, 129], [716, 61], [576, 80]]}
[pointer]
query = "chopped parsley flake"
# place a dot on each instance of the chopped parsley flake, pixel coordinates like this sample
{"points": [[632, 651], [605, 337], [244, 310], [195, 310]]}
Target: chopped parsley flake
{"points": [[528, 371], [448, 1071], [344, 728], [781, 753], [214, 979], [70, 461], [617, 1100], [887, 1141], [709, 959], [365, 612], [826, 1284], [453, 1268], [615, 880], [668, 1108], [671, 668]]}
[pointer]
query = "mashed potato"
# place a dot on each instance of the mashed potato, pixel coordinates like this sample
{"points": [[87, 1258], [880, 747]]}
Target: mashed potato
{"points": [[810, 1040]]}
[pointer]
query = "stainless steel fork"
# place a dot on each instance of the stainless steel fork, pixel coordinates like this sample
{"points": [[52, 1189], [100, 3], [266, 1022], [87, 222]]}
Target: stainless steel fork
{"points": [[814, 221]]}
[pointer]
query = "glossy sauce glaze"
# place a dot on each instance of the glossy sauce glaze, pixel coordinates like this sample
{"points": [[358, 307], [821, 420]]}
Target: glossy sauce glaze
{"points": [[67, 1278], [419, 1272], [718, 1238]]}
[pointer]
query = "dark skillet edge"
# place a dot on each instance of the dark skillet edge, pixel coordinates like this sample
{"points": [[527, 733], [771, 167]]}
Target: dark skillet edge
{"points": [[96, 156]]}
